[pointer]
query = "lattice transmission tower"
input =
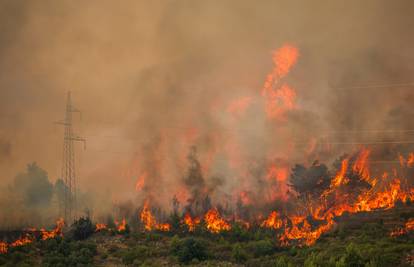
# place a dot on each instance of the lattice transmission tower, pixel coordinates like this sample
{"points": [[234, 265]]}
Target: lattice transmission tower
{"points": [[68, 163]]}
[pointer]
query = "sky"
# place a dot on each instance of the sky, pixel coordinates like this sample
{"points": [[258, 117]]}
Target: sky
{"points": [[139, 70]]}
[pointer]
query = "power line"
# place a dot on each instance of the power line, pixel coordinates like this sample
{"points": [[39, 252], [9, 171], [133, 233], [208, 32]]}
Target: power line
{"points": [[378, 86]]}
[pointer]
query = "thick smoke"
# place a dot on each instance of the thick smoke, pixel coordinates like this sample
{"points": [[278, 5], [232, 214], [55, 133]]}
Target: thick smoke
{"points": [[155, 78]]}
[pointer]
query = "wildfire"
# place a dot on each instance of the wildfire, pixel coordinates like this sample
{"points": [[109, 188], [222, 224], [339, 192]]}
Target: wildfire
{"points": [[273, 221], [191, 222], [3, 247], [278, 100], [408, 227], [100, 227], [141, 182], [22, 241], [121, 226], [149, 221], [55, 232], [214, 222]]}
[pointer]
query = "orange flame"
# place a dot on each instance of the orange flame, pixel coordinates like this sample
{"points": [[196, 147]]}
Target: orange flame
{"points": [[121, 226], [191, 222], [214, 222], [149, 221], [141, 182], [60, 223], [100, 227], [408, 227], [3, 247], [273, 221]]}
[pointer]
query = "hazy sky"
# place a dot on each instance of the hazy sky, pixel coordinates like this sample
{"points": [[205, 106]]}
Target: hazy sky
{"points": [[135, 67]]}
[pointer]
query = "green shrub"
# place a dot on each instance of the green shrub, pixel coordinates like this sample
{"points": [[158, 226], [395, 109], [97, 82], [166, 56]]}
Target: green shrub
{"points": [[261, 248], [352, 258], [239, 254], [82, 228], [188, 249]]}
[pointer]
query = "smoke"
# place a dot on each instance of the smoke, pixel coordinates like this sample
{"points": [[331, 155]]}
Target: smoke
{"points": [[154, 78]]}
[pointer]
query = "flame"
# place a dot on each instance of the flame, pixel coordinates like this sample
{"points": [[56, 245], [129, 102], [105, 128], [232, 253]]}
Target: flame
{"points": [[149, 221], [361, 165], [214, 222], [100, 227], [273, 221], [408, 227], [22, 241], [60, 223], [3, 247], [340, 176], [191, 222], [140, 182], [121, 226], [281, 99]]}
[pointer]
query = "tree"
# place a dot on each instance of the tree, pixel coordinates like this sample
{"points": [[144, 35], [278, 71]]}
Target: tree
{"points": [[34, 186], [310, 182]]}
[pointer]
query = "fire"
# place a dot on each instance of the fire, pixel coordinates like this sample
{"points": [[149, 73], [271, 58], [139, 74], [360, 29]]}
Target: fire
{"points": [[55, 232], [191, 222], [22, 241], [149, 221], [278, 100], [273, 221], [141, 182], [361, 164], [408, 227], [100, 227], [121, 226], [3, 247], [340, 176], [214, 222]]}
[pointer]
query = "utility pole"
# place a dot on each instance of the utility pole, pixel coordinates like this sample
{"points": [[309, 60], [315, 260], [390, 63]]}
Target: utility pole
{"points": [[68, 162]]}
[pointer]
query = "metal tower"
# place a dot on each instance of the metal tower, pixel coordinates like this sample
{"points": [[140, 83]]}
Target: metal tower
{"points": [[68, 162]]}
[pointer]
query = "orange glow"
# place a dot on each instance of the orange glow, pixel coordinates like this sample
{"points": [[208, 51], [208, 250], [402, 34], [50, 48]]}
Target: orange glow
{"points": [[340, 176], [100, 227], [361, 164], [408, 227], [22, 241], [3, 247], [149, 221], [55, 232], [279, 101], [238, 107], [121, 226], [214, 222], [273, 221], [140, 182], [190, 222]]}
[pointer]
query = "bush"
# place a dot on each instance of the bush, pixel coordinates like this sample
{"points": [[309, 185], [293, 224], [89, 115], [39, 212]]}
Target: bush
{"points": [[352, 258], [189, 249], [132, 255], [261, 248], [82, 228], [239, 254], [67, 253]]}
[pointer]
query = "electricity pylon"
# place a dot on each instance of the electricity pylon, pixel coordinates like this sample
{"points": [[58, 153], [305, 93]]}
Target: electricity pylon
{"points": [[68, 162]]}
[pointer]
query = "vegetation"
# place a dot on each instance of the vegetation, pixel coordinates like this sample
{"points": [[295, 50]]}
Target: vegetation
{"points": [[366, 245]]}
